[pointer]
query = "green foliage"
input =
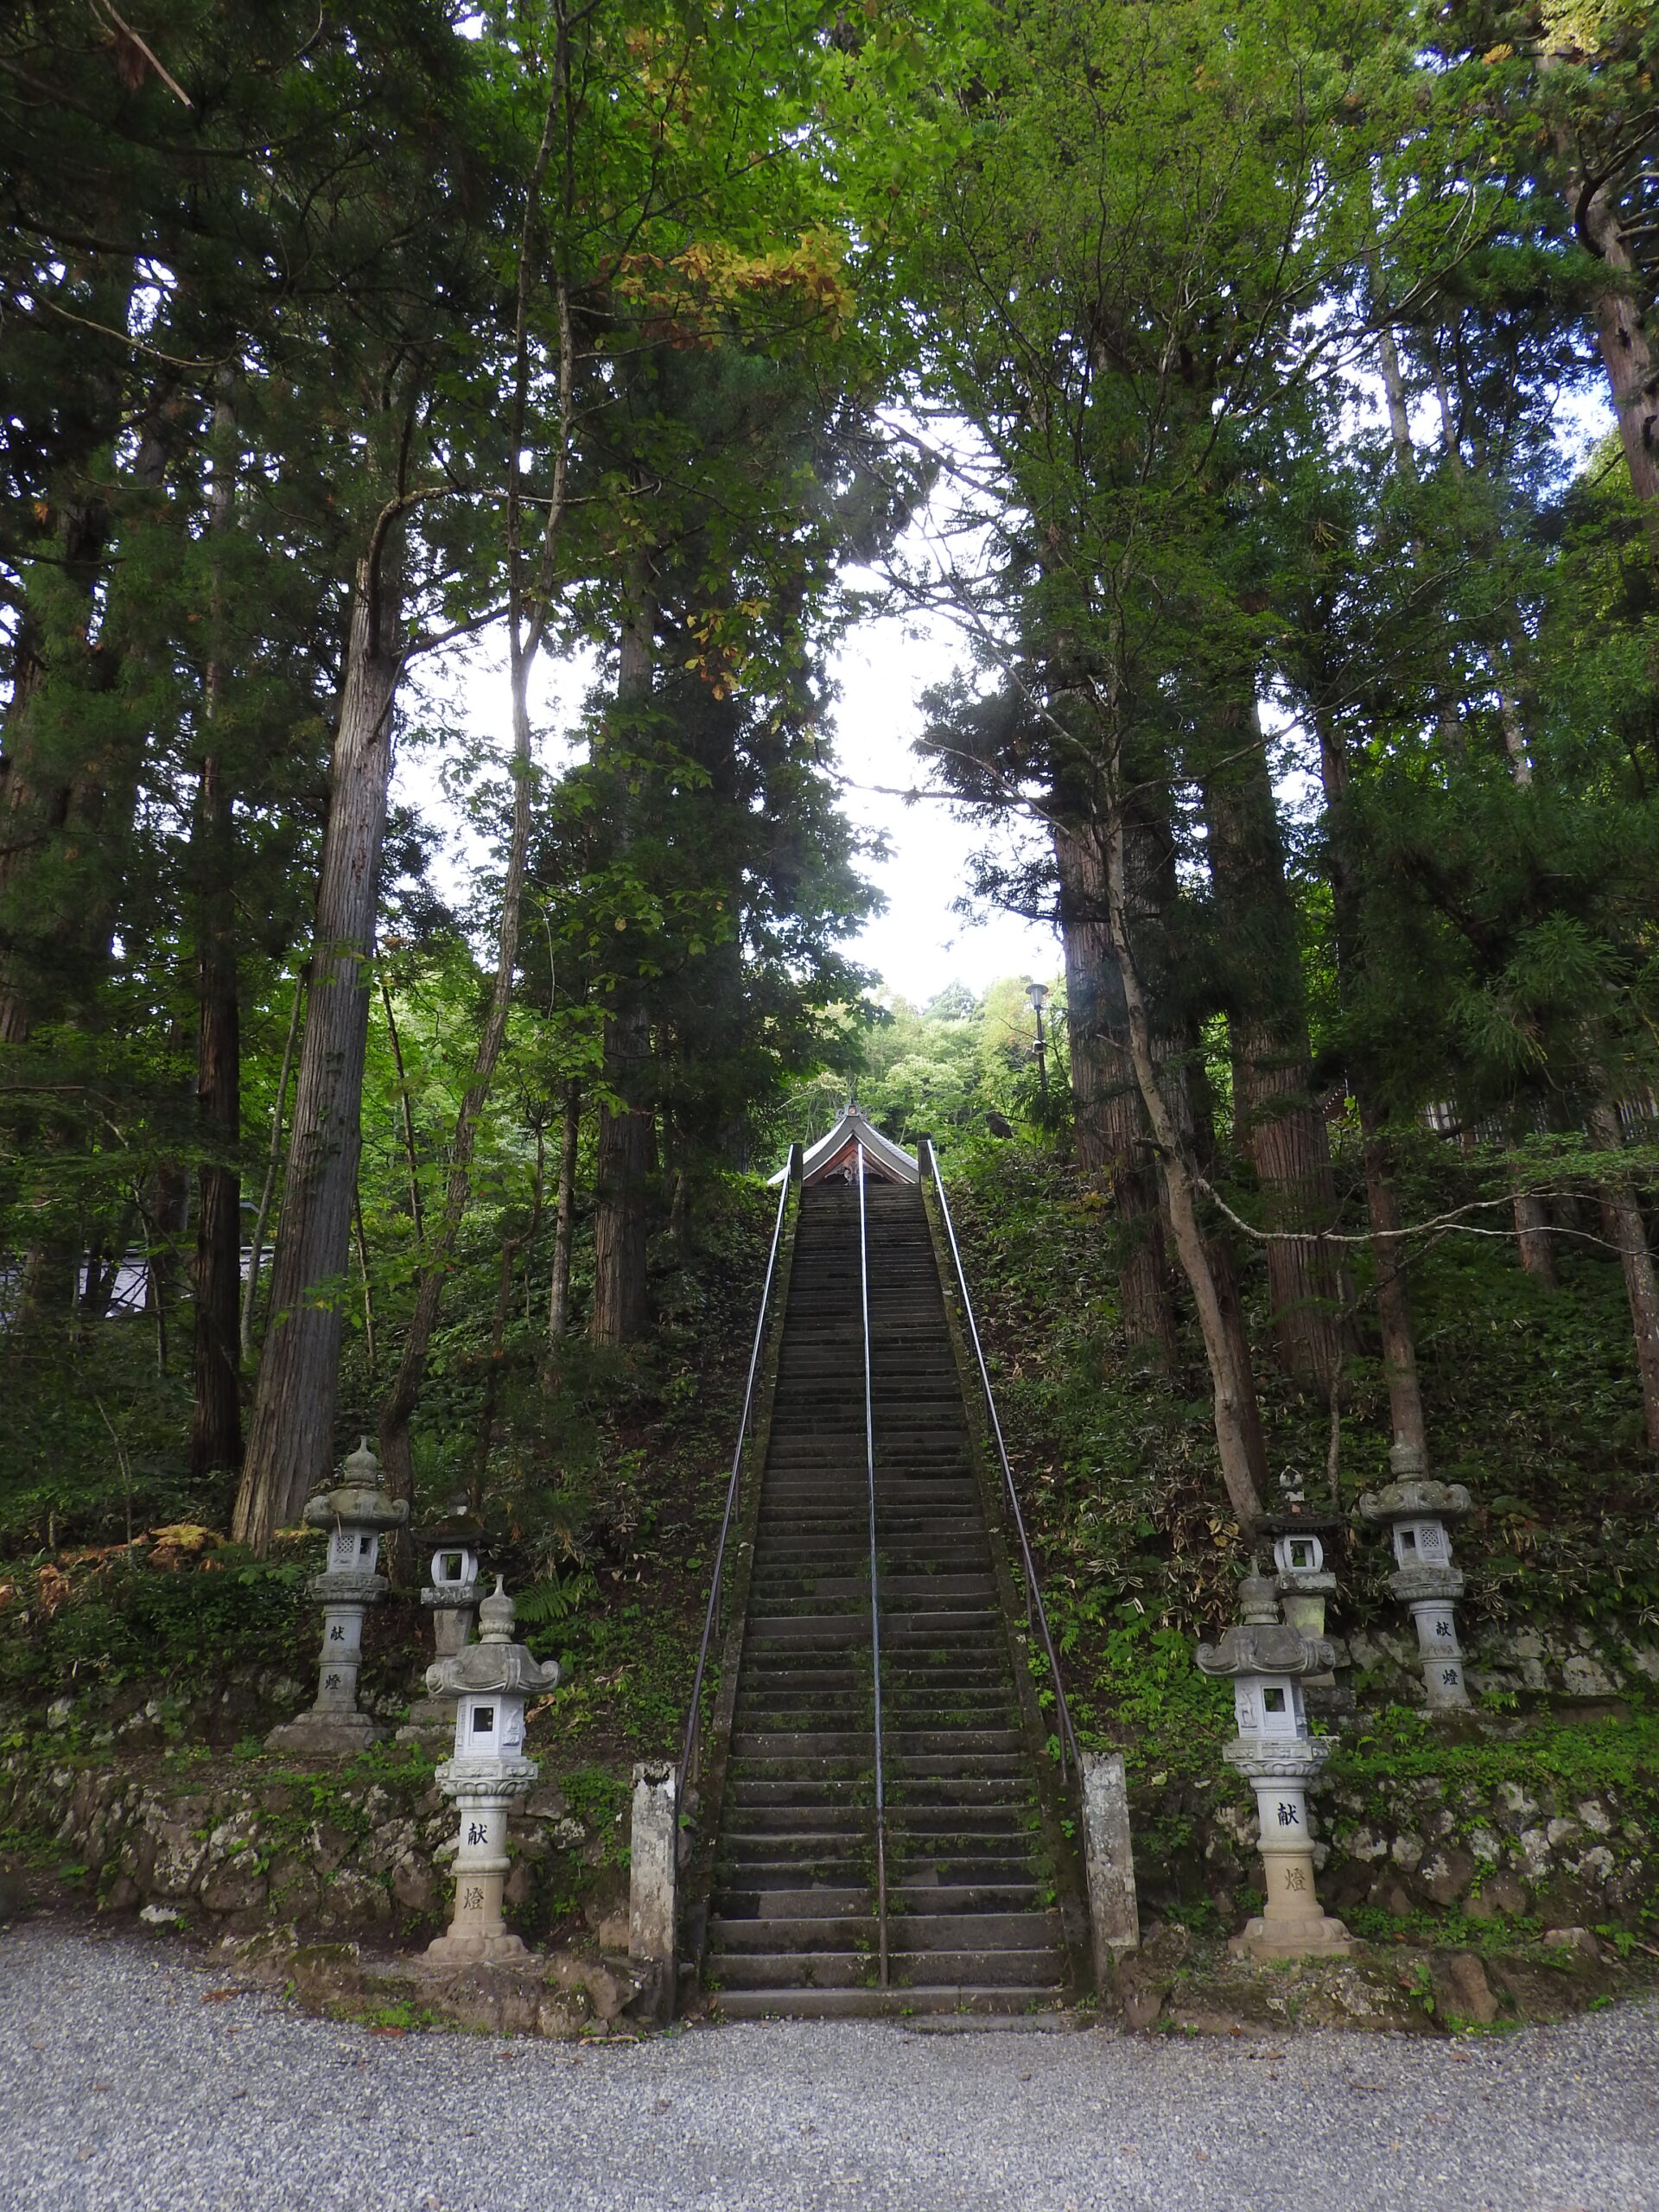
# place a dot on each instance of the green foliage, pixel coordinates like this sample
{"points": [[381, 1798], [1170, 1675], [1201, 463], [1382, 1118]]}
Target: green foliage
{"points": [[130, 1622]]}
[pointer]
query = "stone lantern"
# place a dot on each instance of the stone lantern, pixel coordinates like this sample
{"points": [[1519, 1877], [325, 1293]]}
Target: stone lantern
{"points": [[1267, 1663], [489, 1682], [451, 1597], [355, 1514], [1415, 1512]]}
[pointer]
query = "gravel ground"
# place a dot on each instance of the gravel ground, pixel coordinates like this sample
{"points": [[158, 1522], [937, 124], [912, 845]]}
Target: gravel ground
{"points": [[126, 2082]]}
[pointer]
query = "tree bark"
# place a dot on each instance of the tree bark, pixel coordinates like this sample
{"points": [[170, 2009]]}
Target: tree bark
{"points": [[625, 1167], [1624, 1228], [216, 1423], [1406, 1423], [1227, 1384], [1534, 1240], [1279, 1124], [1109, 1123], [216, 1418], [1626, 354], [273, 1165], [291, 1440], [1406, 1419], [558, 1290], [627, 1147]]}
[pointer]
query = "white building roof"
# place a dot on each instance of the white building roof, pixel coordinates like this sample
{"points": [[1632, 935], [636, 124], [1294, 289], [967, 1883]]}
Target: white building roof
{"points": [[885, 1158]]}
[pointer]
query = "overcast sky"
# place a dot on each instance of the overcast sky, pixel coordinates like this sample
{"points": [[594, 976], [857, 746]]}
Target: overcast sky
{"points": [[918, 945]]}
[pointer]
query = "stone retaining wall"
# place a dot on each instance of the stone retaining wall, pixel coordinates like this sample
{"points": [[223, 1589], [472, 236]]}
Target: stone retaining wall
{"points": [[347, 1852], [1491, 1853]]}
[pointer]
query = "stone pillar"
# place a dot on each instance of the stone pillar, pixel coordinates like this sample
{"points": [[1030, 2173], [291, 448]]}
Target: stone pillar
{"points": [[1109, 1861], [479, 1929], [1415, 1512], [1292, 1924], [654, 1877], [356, 1514], [1267, 1662]]}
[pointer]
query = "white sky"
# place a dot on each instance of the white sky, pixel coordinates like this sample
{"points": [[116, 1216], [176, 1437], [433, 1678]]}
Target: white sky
{"points": [[918, 945]]}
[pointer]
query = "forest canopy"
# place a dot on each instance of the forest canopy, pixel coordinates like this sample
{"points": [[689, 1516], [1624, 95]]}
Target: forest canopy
{"points": [[1269, 395]]}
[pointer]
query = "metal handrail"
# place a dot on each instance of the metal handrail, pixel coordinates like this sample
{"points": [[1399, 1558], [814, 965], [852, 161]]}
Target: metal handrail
{"points": [[694, 1721], [1068, 1740], [875, 1607]]}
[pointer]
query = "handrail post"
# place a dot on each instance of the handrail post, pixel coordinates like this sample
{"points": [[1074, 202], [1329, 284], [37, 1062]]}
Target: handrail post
{"points": [[875, 1608], [1066, 1733]]}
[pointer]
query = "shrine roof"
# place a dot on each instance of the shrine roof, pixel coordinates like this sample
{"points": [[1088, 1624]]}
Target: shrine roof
{"points": [[885, 1159]]}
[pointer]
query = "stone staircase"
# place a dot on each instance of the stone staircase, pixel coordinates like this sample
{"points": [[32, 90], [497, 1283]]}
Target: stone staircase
{"points": [[793, 1925]]}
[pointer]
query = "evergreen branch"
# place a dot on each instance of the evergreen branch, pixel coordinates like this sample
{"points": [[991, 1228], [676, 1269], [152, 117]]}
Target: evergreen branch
{"points": [[136, 345]]}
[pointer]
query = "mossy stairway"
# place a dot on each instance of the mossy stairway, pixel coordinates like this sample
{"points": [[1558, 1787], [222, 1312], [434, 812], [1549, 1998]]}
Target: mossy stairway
{"points": [[796, 1924]]}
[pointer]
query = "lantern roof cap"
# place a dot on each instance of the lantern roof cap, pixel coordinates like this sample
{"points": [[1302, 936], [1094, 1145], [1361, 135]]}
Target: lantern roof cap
{"points": [[456, 1524], [1255, 1647], [1417, 1500], [360, 1499], [495, 1662]]}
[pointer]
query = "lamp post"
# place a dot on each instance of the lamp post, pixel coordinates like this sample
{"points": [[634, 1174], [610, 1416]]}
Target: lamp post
{"points": [[1038, 994]]}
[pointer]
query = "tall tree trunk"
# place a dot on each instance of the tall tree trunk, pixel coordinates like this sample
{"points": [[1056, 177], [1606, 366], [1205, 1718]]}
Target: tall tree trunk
{"points": [[216, 1419], [406, 1115], [558, 1289], [626, 1147], [60, 758], [1109, 1122], [1406, 1420], [1624, 1228], [1534, 1239], [1409, 1428], [1228, 1386], [1195, 1108], [1278, 1123], [216, 1423], [291, 1438], [623, 1171], [1626, 354], [273, 1165]]}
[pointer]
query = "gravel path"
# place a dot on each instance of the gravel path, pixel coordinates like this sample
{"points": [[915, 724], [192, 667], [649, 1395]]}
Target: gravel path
{"points": [[125, 2082]]}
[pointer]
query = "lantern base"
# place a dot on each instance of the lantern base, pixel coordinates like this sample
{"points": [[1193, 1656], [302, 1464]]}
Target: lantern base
{"points": [[476, 1950], [326, 1735], [1317, 1936]]}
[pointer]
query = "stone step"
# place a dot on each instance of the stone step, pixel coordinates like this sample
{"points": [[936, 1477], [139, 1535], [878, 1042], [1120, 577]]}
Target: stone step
{"points": [[839, 1933], [1033, 1970], [803, 2004], [794, 1900]]}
